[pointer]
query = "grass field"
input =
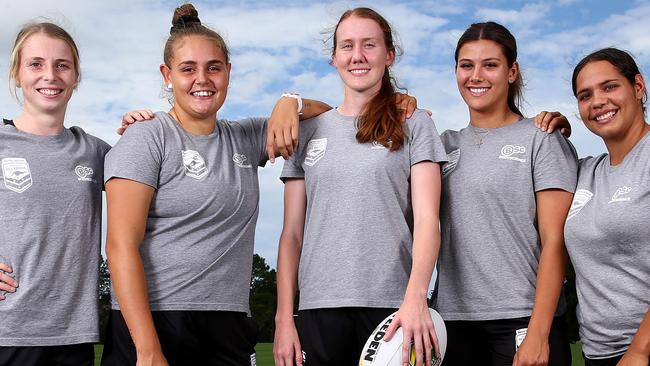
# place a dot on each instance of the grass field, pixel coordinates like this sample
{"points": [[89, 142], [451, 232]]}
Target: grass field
{"points": [[265, 354]]}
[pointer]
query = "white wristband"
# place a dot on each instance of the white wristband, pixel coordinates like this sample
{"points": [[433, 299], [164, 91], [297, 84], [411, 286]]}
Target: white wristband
{"points": [[297, 97]]}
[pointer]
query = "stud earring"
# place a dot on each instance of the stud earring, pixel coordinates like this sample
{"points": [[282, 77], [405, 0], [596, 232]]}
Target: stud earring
{"points": [[169, 86]]}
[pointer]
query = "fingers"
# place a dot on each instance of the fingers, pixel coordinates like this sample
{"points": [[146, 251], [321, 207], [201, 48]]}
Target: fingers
{"points": [[298, 354], [419, 351], [406, 346], [288, 144], [7, 283], [270, 146], [410, 106], [391, 329], [429, 112], [435, 343]]}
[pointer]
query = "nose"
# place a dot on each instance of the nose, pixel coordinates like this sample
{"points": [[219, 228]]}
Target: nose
{"points": [[476, 75], [357, 54], [599, 99], [49, 72], [201, 76]]}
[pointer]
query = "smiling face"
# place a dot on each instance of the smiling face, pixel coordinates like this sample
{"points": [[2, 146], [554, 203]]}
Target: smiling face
{"points": [[46, 74], [609, 104], [360, 55], [483, 75], [199, 74]]}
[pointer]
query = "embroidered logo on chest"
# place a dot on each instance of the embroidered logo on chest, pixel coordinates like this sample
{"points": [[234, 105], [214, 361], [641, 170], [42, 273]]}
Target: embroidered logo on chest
{"points": [[84, 173], [315, 151], [621, 194], [194, 164], [508, 152], [449, 166], [16, 173], [580, 199], [241, 160]]}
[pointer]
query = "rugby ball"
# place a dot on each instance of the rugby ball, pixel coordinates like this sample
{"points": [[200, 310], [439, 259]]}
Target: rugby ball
{"points": [[377, 352]]}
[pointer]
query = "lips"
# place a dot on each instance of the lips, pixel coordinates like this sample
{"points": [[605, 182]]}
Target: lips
{"points": [[202, 93], [49, 92], [478, 91], [359, 72], [605, 116]]}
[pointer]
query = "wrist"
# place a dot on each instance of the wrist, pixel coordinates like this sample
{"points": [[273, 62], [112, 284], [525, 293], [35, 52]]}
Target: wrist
{"points": [[297, 98], [284, 320]]}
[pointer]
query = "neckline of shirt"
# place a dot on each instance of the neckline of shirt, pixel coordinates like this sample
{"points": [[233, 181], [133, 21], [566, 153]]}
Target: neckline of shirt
{"points": [[180, 128], [58, 138]]}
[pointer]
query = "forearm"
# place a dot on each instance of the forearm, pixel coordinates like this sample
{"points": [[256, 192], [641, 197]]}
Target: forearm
{"points": [[641, 341], [550, 277], [312, 108], [426, 244], [129, 282], [287, 279]]}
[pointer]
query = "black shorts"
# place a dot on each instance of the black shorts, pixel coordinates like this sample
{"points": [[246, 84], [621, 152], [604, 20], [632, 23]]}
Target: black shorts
{"points": [[336, 336], [69, 355], [188, 338], [492, 342]]}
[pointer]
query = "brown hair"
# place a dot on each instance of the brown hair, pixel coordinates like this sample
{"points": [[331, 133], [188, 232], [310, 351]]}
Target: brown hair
{"points": [[622, 62], [49, 29], [185, 23], [380, 119], [495, 32]]}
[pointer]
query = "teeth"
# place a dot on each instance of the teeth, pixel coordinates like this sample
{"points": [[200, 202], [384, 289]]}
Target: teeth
{"points": [[359, 72], [50, 91], [605, 116], [202, 93], [478, 90]]}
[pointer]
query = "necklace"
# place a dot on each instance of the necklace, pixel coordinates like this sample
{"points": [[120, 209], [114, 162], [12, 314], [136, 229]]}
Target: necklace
{"points": [[479, 135]]}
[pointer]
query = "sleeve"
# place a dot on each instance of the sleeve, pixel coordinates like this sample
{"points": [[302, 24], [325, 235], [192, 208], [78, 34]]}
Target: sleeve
{"points": [[555, 163], [138, 155], [254, 129], [425, 143]]}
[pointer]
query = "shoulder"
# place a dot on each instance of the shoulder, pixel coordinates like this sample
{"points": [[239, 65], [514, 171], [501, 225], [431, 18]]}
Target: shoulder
{"points": [[420, 117], [94, 142], [590, 163], [150, 128], [244, 123]]}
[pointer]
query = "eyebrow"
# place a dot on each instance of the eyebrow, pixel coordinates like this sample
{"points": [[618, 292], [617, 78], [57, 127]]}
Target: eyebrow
{"points": [[362, 40], [599, 84], [212, 62], [42, 59], [487, 59]]}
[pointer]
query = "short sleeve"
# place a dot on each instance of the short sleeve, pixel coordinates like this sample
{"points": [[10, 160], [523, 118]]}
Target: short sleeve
{"points": [[254, 130], [138, 155], [555, 163], [425, 143], [292, 168]]}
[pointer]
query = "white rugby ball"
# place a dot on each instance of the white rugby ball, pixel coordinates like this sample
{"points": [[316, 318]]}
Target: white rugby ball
{"points": [[377, 352]]}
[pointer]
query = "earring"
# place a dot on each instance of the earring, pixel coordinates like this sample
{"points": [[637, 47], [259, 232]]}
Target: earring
{"points": [[510, 81], [169, 86]]}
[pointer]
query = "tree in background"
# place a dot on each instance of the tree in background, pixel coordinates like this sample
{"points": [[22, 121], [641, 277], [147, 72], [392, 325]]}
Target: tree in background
{"points": [[263, 298], [104, 297]]}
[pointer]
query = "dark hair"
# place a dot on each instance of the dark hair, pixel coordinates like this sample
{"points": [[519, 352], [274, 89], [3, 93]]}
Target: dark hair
{"points": [[622, 62], [380, 119], [185, 23], [495, 32]]}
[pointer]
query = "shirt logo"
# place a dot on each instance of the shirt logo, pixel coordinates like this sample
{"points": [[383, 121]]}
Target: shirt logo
{"points": [[507, 152], [194, 164], [84, 173], [253, 360], [621, 194], [241, 160], [580, 199], [315, 151], [16, 173], [449, 166]]}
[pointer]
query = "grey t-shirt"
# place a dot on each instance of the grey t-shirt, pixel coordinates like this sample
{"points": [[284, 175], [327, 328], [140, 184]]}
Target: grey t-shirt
{"points": [[358, 230], [50, 232], [490, 245], [607, 235], [197, 249]]}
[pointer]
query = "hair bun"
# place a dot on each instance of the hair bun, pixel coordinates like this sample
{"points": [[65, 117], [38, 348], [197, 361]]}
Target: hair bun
{"points": [[185, 16]]}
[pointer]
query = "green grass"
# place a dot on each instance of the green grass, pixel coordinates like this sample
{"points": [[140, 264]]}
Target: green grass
{"points": [[265, 354]]}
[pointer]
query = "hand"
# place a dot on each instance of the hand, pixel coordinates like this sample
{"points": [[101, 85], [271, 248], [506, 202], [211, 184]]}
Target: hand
{"points": [[632, 358], [416, 323], [282, 129], [155, 358], [550, 121], [406, 103], [534, 351], [286, 345], [7, 283], [131, 117]]}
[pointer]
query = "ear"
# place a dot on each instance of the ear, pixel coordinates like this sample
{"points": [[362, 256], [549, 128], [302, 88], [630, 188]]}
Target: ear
{"points": [[513, 72], [639, 86], [166, 73], [228, 67], [390, 58]]}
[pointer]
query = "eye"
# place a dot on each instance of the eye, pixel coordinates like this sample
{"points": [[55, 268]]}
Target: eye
{"points": [[465, 65], [582, 97], [214, 68], [610, 87], [491, 65], [369, 45], [35, 64], [345, 46], [63, 66], [187, 70]]}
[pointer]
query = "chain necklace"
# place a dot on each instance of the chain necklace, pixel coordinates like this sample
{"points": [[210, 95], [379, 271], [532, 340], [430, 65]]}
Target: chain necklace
{"points": [[479, 136]]}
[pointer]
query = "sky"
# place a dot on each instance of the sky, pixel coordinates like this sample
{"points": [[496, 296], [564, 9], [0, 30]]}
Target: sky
{"points": [[280, 46]]}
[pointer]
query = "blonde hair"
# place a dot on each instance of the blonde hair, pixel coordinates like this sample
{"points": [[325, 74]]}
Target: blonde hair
{"points": [[28, 30]]}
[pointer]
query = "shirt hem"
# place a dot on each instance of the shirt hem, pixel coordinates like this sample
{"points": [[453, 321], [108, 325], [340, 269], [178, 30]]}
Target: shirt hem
{"points": [[194, 307], [485, 316], [49, 341], [363, 303]]}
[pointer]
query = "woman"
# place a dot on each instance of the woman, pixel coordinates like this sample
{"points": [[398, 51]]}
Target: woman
{"points": [[360, 213], [182, 196], [506, 191], [607, 234], [50, 209]]}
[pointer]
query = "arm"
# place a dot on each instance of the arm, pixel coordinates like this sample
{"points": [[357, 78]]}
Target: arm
{"points": [[128, 205], [639, 351], [413, 316], [286, 347], [552, 208], [282, 132]]}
